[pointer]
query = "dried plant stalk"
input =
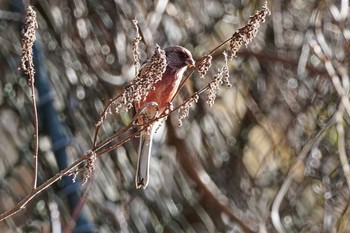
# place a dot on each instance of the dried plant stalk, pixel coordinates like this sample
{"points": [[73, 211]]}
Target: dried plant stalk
{"points": [[247, 33], [27, 65]]}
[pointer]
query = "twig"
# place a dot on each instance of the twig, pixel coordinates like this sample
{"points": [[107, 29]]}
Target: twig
{"points": [[106, 141], [120, 142], [21, 205], [36, 135], [103, 116]]}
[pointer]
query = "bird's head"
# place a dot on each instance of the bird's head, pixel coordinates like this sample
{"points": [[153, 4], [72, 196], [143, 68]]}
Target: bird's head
{"points": [[179, 57]]}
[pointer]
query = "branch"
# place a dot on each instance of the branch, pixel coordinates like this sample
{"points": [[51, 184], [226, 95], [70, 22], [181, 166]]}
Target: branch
{"points": [[21, 205]]}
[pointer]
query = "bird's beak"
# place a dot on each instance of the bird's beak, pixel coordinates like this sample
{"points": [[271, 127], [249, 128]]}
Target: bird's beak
{"points": [[190, 62]]}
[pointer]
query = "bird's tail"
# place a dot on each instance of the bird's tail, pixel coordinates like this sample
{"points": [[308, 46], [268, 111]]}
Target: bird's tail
{"points": [[142, 170]]}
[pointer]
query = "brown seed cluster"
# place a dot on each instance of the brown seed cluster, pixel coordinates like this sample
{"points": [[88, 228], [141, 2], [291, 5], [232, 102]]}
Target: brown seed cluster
{"points": [[184, 110], [222, 77], [150, 74], [204, 65], [90, 166], [28, 38], [226, 72], [246, 34], [74, 175]]}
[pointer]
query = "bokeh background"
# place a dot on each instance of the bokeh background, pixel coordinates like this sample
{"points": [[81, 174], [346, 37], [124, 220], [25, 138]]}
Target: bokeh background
{"points": [[269, 156]]}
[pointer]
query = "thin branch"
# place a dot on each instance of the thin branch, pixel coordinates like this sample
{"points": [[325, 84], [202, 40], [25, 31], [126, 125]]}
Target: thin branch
{"points": [[36, 135], [120, 142], [21, 205], [103, 116], [132, 123]]}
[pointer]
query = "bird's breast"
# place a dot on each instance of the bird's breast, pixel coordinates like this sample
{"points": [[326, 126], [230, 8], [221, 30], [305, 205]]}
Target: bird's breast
{"points": [[165, 89]]}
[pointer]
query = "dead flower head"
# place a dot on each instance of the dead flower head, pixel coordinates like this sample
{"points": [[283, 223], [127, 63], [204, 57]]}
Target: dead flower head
{"points": [[150, 73], [204, 65], [247, 33], [184, 110], [90, 166], [28, 38], [222, 77], [135, 46]]}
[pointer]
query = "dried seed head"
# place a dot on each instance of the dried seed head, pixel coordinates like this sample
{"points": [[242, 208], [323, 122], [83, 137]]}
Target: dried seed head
{"points": [[90, 166], [213, 88], [226, 73], [28, 38], [222, 77], [74, 174], [184, 110], [155, 70], [204, 65], [246, 34], [149, 74], [135, 47]]}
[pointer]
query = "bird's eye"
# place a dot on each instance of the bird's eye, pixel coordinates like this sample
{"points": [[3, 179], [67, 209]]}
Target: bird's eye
{"points": [[184, 55]]}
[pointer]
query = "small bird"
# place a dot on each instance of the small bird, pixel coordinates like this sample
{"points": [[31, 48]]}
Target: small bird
{"points": [[178, 59]]}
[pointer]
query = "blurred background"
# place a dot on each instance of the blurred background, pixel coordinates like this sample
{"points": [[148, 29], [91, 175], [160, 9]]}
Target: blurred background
{"points": [[269, 156]]}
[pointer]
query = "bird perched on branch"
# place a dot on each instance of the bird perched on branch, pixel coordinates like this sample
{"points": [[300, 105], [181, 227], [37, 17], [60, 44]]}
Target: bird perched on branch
{"points": [[156, 102]]}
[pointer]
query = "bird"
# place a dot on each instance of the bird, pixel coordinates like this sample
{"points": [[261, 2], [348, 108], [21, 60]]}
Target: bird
{"points": [[178, 59]]}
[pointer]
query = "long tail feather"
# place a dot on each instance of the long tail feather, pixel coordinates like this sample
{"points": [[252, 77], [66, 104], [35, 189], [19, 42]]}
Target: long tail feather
{"points": [[142, 170]]}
